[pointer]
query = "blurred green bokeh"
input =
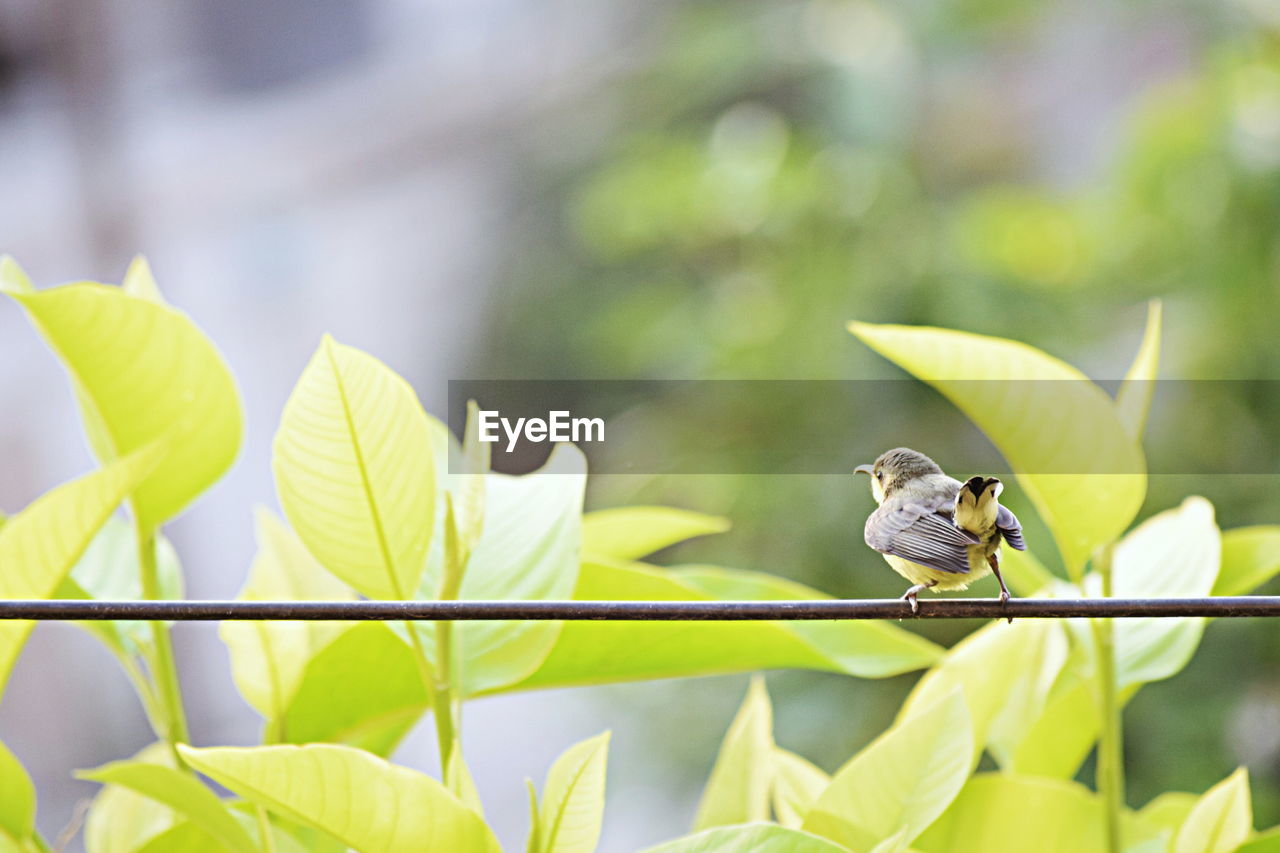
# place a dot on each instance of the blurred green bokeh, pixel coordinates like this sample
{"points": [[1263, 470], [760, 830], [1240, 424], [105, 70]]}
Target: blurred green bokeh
{"points": [[773, 170]]}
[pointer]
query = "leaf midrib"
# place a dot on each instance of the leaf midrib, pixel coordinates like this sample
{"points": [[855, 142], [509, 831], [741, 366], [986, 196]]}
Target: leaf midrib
{"points": [[387, 561]]}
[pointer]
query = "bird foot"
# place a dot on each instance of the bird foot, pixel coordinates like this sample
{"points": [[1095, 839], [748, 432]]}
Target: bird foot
{"points": [[910, 596], [1004, 599]]}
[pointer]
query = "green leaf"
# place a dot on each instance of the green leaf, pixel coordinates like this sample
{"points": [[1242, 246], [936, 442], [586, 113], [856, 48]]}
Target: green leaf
{"points": [[738, 790], [996, 813], [604, 652], [1024, 573], [750, 838], [1221, 820], [1133, 401], [268, 659], [188, 837], [1006, 672], [39, 546], [573, 799], [12, 278], [1250, 558], [528, 550], [363, 689], [17, 797], [1168, 811], [1060, 432], [123, 821], [1174, 554], [905, 778], [109, 571], [143, 371], [355, 472], [360, 799], [534, 843], [180, 792], [1060, 738], [797, 784], [457, 778], [140, 283], [1264, 842], [628, 533]]}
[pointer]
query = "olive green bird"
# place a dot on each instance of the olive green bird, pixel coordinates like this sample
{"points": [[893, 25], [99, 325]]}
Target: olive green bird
{"points": [[933, 530]]}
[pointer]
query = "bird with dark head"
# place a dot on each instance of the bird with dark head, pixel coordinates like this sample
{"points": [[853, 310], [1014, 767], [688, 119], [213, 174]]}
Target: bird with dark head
{"points": [[935, 531]]}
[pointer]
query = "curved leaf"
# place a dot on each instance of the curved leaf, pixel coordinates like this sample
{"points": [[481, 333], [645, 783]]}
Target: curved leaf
{"points": [[738, 790], [354, 471], [797, 784], [143, 371], [39, 546], [17, 797], [1006, 672], [604, 652], [527, 550], [363, 689], [1250, 558], [998, 813], [268, 658], [903, 780], [371, 805], [1221, 820], [1059, 431], [628, 533], [108, 570], [123, 821], [573, 799], [1133, 401], [181, 792], [749, 838]]}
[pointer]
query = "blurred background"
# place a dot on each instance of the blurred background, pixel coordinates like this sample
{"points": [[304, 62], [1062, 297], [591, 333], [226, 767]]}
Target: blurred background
{"points": [[573, 189]]}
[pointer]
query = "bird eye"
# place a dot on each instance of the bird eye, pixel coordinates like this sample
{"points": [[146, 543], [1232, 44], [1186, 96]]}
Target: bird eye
{"points": [[879, 475]]}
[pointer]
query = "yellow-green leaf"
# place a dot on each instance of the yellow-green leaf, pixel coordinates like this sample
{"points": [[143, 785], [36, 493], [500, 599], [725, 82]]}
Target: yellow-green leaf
{"points": [[1221, 820], [143, 371], [457, 778], [998, 813], [604, 652], [17, 797], [13, 279], [1006, 672], [139, 282], [1133, 401], [905, 778], [1059, 431], [628, 533], [268, 658], [362, 689], [355, 473], [528, 550], [1250, 558], [573, 798], [1174, 554], [1168, 811], [749, 838], [123, 821], [39, 546], [797, 784], [374, 806], [738, 790], [181, 792]]}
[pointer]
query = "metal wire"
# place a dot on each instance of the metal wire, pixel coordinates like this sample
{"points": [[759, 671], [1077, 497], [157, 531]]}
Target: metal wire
{"points": [[641, 611]]}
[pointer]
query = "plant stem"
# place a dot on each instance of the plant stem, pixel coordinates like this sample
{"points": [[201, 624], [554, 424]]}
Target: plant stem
{"points": [[165, 674], [264, 828], [1110, 768], [442, 705]]}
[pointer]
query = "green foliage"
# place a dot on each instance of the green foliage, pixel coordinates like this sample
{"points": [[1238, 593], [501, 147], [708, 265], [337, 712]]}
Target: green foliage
{"points": [[355, 797], [573, 800], [375, 508]]}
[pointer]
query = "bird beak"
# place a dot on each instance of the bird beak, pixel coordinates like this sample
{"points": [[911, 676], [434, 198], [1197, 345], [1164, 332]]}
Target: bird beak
{"points": [[864, 469]]}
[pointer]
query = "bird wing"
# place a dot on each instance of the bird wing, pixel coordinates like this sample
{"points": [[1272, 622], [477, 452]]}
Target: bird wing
{"points": [[920, 533], [1010, 528]]}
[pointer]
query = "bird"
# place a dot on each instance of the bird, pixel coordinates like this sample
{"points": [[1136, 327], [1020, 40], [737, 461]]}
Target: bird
{"points": [[935, 531]]}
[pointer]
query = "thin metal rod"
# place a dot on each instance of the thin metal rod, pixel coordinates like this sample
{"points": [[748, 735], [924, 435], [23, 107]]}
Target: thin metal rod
{"points": [[728, 611]]}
